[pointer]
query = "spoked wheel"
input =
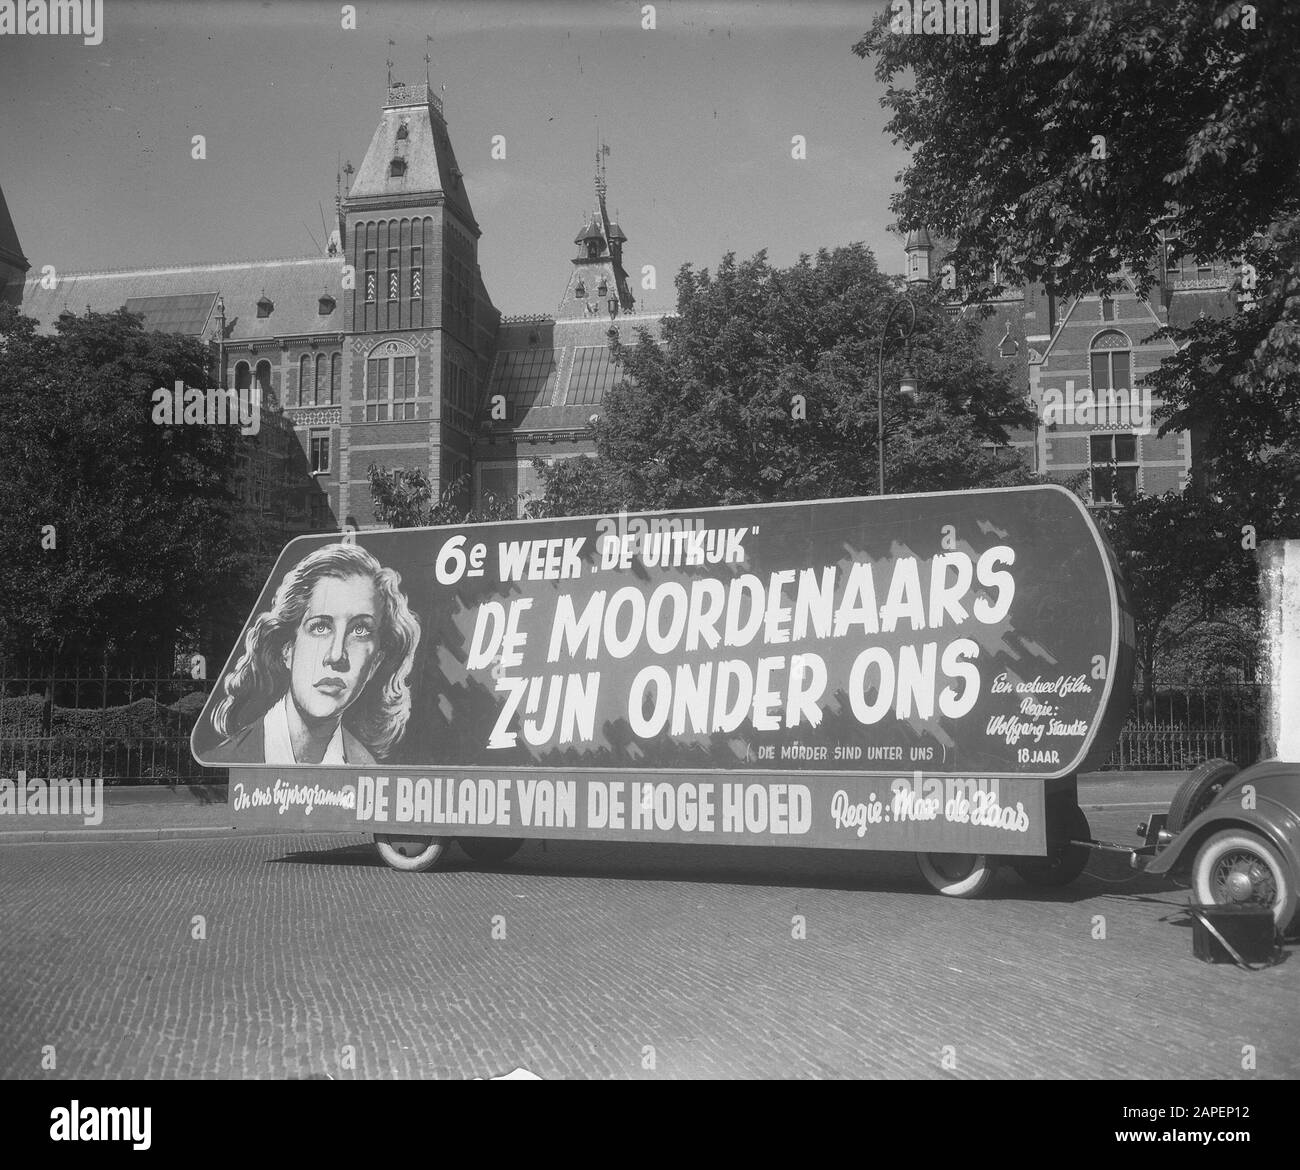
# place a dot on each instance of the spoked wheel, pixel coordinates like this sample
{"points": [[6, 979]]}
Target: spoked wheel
{"points": [[1064, 861], [490, 850], [959, 875], [412, 854], [1238, 867]]}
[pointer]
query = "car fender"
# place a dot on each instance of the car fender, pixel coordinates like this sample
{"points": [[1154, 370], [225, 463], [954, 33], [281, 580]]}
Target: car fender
{"points": [[1271, 819]]}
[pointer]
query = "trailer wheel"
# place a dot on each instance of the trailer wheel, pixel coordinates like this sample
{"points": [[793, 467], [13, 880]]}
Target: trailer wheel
{"points": [[411, 854], [490, 850], [1065, 860], [1238, 867], [1197, 792], [959, 875]]}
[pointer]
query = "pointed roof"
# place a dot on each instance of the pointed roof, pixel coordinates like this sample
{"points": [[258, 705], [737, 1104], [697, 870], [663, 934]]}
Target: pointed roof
{"points": [[590, 231], [413, 131], [11, 251]]}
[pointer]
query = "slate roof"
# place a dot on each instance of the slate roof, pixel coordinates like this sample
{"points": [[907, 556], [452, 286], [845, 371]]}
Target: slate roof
{"points": [[590, 272], [175, 297], [431, 166]]}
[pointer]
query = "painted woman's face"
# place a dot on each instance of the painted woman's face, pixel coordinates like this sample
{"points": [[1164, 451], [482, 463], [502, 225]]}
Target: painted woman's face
{"points": [[334, 651]]}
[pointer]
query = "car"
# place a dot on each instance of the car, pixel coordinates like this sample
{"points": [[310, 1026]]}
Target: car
{"points": [[1234, 836]]}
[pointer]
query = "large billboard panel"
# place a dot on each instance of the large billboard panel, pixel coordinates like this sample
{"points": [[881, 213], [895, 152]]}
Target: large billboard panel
{"points": [[860, 646]]}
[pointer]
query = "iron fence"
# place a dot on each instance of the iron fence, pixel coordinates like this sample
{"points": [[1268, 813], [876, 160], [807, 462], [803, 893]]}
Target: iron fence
{"points": [[1177, 727], [127, 725]]}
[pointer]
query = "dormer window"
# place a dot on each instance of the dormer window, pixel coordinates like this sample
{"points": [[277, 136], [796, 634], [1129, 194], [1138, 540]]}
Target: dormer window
{"points": [[603, 287], [403, 131], [579, 291], [397, 168], [264, 306], [326, 305]]}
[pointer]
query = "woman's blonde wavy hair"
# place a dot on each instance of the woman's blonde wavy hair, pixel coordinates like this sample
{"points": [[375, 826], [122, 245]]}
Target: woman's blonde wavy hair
{"points": [[378, 715]]}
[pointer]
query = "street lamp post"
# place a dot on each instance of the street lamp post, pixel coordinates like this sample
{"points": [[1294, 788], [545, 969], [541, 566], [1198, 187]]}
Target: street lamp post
{"points": [[907, 383]]}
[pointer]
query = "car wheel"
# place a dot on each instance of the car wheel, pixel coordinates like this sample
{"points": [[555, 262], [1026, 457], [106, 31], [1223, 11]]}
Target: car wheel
{"points": [[1065, 861], [958, 875], [1234, 866], [1197, 792], [490, 850], [412, 854]]}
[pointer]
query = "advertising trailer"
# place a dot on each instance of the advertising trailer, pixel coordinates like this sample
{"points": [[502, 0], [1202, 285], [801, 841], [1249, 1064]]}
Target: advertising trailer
{"points": [[918, 673]]}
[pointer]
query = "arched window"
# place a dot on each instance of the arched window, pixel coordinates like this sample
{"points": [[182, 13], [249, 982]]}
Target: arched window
{"points": [[1111, 361], [390, 390], [321, 389], [304, 380], [336, 377], [243, 376], [263, 379]]}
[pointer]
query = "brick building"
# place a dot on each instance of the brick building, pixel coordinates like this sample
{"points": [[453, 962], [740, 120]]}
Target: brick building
{"points": [[388, 349], [1085, 363]]}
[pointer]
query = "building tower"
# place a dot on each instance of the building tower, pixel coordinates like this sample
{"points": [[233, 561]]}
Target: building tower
{"points": [[418, 321], [919, 251], [598, 284]]}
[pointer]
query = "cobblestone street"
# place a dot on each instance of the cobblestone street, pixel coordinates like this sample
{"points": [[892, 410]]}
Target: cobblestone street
{"points": [[649, 961]]}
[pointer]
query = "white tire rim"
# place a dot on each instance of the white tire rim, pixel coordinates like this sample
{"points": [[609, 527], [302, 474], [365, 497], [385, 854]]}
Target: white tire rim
{"points": [[937, 869], [1227, 864], [402, 853]]}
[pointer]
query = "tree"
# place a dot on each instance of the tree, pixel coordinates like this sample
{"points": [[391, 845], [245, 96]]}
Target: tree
{"points": [[118, 536], [1235, 381], [1065, 152], [1058, 151], [404, 499], [764, 389], [1184, 565]]}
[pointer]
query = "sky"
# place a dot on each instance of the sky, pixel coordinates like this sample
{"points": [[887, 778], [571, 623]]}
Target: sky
{"points": [[699, 114]]}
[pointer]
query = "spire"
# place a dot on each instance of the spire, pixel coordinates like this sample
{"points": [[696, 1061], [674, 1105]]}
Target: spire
{"points": [[597, 285], [338, 236], [615, 240]]}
